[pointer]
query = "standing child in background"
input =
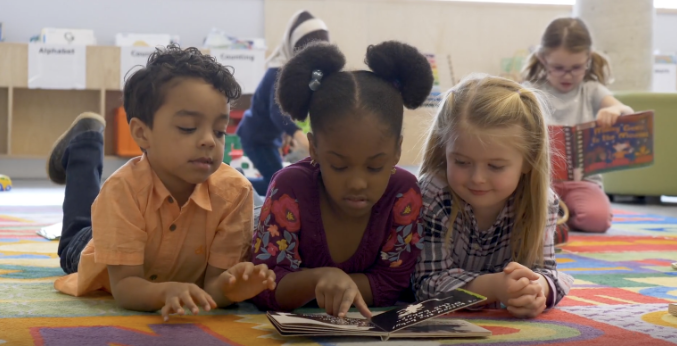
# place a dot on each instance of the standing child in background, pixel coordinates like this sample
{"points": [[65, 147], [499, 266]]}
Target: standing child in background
{"points": [[343, 228], [263, 124], [169, 229], [566, 67], [488, 211]]}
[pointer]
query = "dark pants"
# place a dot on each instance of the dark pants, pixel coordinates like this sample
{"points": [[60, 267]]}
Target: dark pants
{"points": [[267, 160], [83, 161]]}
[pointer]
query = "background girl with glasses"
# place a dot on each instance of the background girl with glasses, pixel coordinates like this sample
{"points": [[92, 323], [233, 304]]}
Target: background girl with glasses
{"points": [[566, 67]]}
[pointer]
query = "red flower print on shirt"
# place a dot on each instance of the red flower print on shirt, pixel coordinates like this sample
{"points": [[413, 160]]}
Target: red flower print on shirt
{"points": [[415, 238], [407, 230], [407, 207], [272, 249], [286, 212], [265, 209], [392, 239]]}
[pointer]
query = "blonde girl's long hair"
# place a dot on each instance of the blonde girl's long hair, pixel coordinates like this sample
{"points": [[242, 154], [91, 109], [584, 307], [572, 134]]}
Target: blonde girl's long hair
{"points": [[571, 34], [481, 103]]}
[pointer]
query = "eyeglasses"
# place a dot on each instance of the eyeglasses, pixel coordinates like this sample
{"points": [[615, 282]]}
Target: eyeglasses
{"points": [[559, 71]]}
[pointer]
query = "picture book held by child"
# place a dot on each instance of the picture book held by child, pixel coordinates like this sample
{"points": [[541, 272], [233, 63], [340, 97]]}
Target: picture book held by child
{"points": [[587, 148], [411, 321], [574, 76]]}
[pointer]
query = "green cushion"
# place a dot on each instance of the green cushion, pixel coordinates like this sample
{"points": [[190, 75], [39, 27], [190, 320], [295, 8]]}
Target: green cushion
{"points": [[661, 177]]}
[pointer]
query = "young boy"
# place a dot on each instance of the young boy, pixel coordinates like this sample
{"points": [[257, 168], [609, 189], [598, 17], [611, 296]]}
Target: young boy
{"points": [[169, 229]]}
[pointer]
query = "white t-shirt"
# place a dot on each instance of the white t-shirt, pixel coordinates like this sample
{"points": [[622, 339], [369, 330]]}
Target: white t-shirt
{"points": [[577, 106]]}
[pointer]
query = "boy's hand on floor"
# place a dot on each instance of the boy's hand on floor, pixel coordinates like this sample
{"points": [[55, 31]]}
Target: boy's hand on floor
{"points": [[178, 295], [245, 280], [336, 291]]}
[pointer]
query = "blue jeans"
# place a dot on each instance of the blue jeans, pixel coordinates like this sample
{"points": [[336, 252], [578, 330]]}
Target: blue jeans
{"points": [[83, 161], [267, 160]]}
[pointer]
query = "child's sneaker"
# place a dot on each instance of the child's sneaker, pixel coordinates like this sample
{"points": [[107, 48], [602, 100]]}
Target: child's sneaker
{"points": [[84, 122]]}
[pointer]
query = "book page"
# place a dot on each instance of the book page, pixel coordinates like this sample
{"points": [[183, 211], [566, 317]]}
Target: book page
{"points": [[442, 327], [327, 322], [412, 314]]}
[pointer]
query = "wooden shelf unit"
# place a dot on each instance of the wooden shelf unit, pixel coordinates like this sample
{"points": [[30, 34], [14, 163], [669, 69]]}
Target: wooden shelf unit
{"points": [[32, 119], [4, 120]]}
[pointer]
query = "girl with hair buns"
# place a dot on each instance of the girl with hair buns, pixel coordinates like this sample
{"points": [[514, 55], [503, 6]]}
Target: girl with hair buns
{"points": [[342, 227]]}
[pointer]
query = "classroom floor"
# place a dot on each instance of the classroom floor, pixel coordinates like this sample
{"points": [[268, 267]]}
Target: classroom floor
{"points": [[623, 285]]}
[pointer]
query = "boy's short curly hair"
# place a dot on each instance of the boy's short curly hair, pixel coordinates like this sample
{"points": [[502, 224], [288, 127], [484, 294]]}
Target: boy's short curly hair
{"points": [[145, 90]]}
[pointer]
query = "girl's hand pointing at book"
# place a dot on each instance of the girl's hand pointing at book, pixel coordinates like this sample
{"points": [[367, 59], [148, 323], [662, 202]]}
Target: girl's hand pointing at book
{"points": [[336, 292]]}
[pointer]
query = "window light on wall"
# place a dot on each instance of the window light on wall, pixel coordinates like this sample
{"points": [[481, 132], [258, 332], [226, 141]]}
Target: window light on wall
{"points": [[657, 3]]}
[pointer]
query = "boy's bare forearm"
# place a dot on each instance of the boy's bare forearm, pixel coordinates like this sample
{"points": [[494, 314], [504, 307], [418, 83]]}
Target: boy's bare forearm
{"points": [[135, 293], [213, 287]]}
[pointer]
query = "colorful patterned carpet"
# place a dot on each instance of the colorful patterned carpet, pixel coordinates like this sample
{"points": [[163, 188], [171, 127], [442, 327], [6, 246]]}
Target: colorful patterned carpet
{"points": [[624, 284]]}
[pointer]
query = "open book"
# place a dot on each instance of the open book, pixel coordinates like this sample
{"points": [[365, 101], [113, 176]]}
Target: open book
{"points": [[411, 321], [586, 149]]}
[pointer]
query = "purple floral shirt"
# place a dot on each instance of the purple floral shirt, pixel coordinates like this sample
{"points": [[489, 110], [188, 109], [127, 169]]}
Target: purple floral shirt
{"points": [[290, 235]]}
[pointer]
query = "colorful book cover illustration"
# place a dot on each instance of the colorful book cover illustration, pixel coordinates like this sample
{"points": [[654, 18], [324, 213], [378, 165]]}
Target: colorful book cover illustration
{"points": [[587, 149], [411, 321]]}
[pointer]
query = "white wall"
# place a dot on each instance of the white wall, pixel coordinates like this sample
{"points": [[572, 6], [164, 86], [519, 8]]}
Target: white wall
{"points": [[665, 32], [190, 19], [475, 35]]}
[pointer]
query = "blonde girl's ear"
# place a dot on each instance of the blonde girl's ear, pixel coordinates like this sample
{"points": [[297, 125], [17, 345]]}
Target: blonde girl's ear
{"points": [[526, 168]]}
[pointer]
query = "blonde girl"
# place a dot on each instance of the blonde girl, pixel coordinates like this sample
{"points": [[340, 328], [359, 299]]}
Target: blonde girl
{"points": [[488, 211]]}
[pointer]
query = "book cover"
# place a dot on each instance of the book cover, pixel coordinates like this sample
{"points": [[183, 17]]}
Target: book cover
{"points": [[414, 320], [587, 149]]}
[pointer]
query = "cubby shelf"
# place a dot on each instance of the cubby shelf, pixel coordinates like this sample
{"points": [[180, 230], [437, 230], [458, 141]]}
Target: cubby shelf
{"points": [[32, 119]]}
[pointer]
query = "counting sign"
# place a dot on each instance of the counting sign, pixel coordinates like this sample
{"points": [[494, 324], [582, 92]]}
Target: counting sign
{"points": [[57, 66], [132, 58], [249, 65]]}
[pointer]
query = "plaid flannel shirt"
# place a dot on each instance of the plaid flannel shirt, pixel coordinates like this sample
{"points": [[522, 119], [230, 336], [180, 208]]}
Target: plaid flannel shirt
{"points": [[441, 268]]}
